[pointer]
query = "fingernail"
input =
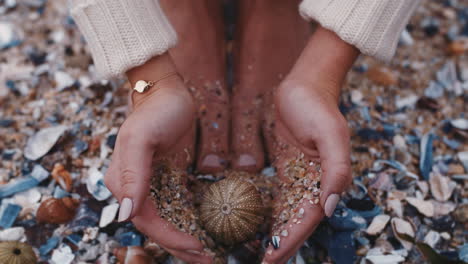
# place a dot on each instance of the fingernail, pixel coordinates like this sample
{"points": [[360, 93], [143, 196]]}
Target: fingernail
{"points": [[191, 251], [212, 161], [246, 160], [331, 203], [125, 211]]}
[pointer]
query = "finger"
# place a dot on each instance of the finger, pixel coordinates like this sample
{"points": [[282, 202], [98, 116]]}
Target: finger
{"points": [[162, 232], [298, 232], [334, 149], [135, 164], [190, 257], [111, 178]]}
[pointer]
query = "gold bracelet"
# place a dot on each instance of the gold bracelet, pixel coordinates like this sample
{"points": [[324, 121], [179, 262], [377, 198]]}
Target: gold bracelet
{"points": [[142, 86]]}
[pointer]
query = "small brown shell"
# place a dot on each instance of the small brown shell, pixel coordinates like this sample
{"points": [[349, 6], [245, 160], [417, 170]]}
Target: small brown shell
{"points": [[14, 252], [62, 176], [232, 210], [57, 211], [132, 255]]}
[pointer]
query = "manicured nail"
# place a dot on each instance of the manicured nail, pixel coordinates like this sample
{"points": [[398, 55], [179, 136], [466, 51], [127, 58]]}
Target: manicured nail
{"points": [[246, 160], [331, 203], [126, 207], [211, 161]]}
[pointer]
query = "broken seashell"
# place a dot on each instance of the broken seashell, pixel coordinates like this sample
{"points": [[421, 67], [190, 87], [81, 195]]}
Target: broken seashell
{"points": [[132, 255], [441, 209], [57, 211], [382, 76], [432, 238], [424, 207], [396, 206], [403, 227], [378, 224], [62, 177], [42, 142], [108, 214], [15, 252], [426, 155], [441, 187]]}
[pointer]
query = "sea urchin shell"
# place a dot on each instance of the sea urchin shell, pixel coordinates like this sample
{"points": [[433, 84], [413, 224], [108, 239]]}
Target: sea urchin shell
{"points": [[232, 210], [13, 252]]}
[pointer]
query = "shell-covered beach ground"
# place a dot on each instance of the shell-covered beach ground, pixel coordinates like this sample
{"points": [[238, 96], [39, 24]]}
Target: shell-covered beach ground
{"points": [[409, 121]]}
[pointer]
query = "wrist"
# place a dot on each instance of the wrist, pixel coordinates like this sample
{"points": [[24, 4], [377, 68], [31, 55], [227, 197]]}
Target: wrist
{"points": [[154, 69], [324, 63]]}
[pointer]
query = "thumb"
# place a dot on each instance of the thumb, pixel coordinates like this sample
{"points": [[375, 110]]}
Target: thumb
{"points": [[334, 149], [135, 160]]}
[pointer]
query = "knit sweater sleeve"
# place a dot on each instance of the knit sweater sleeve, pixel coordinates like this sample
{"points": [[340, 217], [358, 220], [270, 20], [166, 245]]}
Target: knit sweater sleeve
{"points": [[122, 34], [373, 26]]}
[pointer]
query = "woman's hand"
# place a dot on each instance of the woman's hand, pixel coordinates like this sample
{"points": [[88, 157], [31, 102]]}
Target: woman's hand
{"points": [[308, 119], [160, 125]]}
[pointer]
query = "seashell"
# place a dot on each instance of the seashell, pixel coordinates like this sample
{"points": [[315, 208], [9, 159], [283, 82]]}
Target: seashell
{"points": [[62, 177], [424, 207], [14, 252], [232, 210], [401, 226], [382, 76], [57, 211], [132, 255], [441, 187], [426, 156], [378, 224], [40, 143]]}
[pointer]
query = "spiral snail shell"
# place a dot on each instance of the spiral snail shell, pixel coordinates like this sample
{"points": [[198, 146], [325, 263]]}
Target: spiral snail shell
{"points": [[232, 210], [57, 211]]}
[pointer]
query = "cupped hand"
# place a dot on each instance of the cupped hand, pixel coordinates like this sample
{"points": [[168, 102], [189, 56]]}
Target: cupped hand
{"points": [[308, 119], [160, 125]]}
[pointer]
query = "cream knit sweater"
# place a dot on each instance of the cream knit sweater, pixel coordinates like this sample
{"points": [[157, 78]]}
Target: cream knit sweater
{"points": [[123, 34]]}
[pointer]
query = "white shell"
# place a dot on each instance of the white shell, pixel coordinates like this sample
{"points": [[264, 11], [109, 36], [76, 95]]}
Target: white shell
{"points": [[140, 86]]}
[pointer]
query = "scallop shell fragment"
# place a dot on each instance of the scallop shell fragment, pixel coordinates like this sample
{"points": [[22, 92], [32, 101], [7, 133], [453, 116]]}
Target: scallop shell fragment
{"points": [[232, 210]]}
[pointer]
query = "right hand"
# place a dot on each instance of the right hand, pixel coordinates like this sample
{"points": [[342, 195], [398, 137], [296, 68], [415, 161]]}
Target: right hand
{"points": [[160, 125]]}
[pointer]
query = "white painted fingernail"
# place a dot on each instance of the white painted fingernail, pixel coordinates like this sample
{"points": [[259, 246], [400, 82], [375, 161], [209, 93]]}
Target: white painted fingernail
{"points": [[331, 203], [126, 207]]}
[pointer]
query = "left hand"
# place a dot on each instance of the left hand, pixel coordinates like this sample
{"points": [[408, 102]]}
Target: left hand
{"points": [[308, 119]]}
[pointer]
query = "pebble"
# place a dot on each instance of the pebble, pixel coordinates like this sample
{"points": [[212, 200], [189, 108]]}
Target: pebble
{"points": [[284, 233], [42, 142]]}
